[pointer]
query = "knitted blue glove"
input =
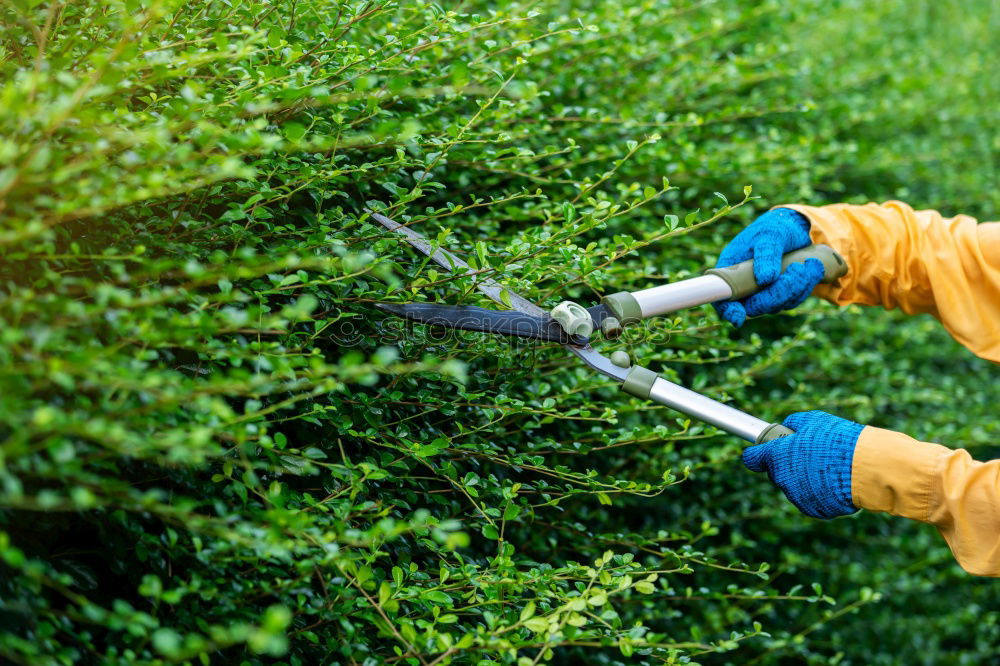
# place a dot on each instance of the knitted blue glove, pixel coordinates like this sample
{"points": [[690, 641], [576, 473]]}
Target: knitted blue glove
{"points": [[813, 466], [765, 241]]}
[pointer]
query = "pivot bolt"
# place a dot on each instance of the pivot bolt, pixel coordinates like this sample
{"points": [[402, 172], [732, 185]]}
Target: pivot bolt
{"points": [[611, 327]]}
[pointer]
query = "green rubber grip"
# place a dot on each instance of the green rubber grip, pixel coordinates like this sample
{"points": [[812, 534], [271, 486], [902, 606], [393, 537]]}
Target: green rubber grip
{"points": [[624, 306], [775, 431], [741, 280], [639, 382]]}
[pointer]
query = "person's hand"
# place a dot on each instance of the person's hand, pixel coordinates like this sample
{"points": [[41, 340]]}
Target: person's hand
{"points": [[766, 240], [813, 466]]}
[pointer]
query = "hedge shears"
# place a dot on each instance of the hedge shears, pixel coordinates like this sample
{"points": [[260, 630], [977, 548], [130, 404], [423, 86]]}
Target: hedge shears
{"points": [[572, 325]]}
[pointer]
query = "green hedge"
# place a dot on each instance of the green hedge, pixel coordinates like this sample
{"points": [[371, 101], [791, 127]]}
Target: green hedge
{"points": [[213, 448]]}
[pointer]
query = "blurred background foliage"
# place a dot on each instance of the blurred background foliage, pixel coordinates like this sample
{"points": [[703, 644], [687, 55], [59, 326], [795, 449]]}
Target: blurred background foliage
{"points": [[212, 448]]}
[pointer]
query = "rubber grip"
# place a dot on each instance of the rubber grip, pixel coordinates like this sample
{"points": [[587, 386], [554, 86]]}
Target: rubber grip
{"points": [[741, 280], [776, 431]]}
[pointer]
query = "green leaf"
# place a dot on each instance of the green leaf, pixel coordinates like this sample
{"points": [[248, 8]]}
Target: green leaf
{"points": [[293, 132], [537, 624], [481, 255], [597, 599], [569, 212], [167, 642], [436, 596]]}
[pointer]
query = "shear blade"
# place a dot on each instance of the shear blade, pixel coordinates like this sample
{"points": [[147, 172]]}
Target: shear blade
{"points": [[472, 318]]}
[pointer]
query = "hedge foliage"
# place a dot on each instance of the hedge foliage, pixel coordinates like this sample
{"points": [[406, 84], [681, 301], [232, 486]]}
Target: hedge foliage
{"points": [[213, 448]]}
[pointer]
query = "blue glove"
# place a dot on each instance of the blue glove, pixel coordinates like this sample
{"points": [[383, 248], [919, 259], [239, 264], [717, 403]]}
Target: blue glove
{"points": [[765, 241], [813, 466]]}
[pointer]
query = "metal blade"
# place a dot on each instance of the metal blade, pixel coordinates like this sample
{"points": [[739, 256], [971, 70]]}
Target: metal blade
{"points": [[595, 360], [472, 318], [493, 289], [447, 260]]}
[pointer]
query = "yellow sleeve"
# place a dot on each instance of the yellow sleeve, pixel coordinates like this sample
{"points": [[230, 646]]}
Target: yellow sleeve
{"points": [[917, 261], [922, 262], [933, 484]]}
